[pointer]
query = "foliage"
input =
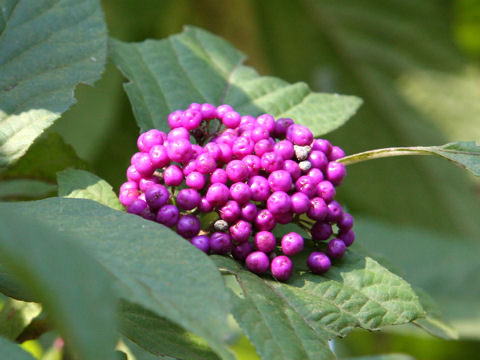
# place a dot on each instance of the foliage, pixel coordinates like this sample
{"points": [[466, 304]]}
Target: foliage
{"points": [[104, 277]]}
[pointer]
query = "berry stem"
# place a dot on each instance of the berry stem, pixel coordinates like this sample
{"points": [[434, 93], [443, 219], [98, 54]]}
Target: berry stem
{"points": [[382, 153]]}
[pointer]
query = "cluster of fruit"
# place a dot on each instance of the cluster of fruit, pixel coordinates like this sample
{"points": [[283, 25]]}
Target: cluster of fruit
{"points": [[254, 173]]}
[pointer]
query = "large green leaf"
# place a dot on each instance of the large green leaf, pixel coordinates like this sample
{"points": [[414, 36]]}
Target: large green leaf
{"points": [[196, 66], [81, 184], [12, 351], [152, 266], [46, 49], [366, 48], [73, 288], [296, 319], [440, 264]]}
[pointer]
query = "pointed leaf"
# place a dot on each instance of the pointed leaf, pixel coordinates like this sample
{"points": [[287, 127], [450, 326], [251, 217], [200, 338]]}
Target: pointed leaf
{"points": [[463, 153], [196, 66], [16, 316], [46, 49], [73, 288], [152, 265], [81, 184]]}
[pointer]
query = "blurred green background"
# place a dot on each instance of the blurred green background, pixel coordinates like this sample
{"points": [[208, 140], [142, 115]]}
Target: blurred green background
{"points": [[415, 64]]}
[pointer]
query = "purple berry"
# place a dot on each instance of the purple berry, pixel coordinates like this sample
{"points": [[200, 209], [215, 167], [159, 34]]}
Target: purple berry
{"points": [[318, 209], [237, 170], [265, 241], [195, 180], [267, 121], [188, 199], [263, 146], [208, 111], [335, 172], [205, 163], [316, 175], [300, 203], [249, 212], [280, 180], [336, 153], [156, 196], [300, 135], [159, 156], [144, 165], [292, 168], [240, 192], [318, 262], [201, 242], [146, 183], [336, 248], [321, 231], [281, 267], [151, 138], [326, 190], [128, 196], [219, 176], [334, 211], [191, 119], [204, 206], [230, 211], [240, 252], [259, 187], [173, 175], [318, 159], [188, 226], [345, 223], [178, 133], [284, 218], [175, 119], [281, 126], [217, 194], [128, 186], [240, 231], [137, 207], [179, 150], [348, 237], [279, 203], [220, 243], [306, 185], [231, 119], [242, 147], [225, 152], [265, 220], [284, 148], [322, 145], [270, 162], [257, 262], [253, 163], [292, 243], [168, 215]]}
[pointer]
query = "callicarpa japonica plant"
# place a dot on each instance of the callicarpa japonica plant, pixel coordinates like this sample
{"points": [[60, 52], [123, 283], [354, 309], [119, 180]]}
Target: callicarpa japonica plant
{"points": [[232, 224]]}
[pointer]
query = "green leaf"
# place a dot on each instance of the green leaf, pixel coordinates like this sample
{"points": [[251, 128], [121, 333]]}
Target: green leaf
{"points": [[73, 288], [16, 316], [196, 66], [440, 264], [25, 189], [366, 48], [46, 48], [12, 351], [153, 266], [39, 164], [159, 336], [310, 309], [82, 184]]}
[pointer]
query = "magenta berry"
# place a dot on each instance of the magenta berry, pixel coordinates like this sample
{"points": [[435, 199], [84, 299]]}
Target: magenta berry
{"points": [[195, 180], [265, 220], [168, 215], [336, 248], [156, 196], [220, 243], [230, 211], [257, 262], [240, 192], [300, 203], [318, 262], [281, 267], [265, 241], [217, 194], [249, 212], [279, 203], [173, 175], [335, 172], [240, 252], [292, 243], [237, 170], [202, 242], [188, 226], [280, 180], [240, 231], [188, 199], [219, 176]]}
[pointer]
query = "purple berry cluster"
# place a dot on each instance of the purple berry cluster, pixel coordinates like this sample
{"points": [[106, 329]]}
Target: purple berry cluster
{"points": [[254, 173]]}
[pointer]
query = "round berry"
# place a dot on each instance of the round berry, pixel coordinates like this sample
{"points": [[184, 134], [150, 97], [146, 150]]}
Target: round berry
{"points": [[259, 187], [335, 172], [201, 242], [348, 237], [191, 119], [270, 162], [230, 211], [151, 138], [292, 168], [300, 203], [284, 148], [292, 243], [168, 215], [280, 180], [236, 170], [265, 241], [336, 153], [173, 175], [253, 163], [231, 119], [220, 243], [318, 159], [334, 211], [208, 111], [159, 156], [259, 133], [263, 146], [279, 203], [240, 192], [281, 126], [257, 262], [137, 207], [144, 165], [178, 133], [219, 176], [157, 196], [146, 183], [345, 223], [188, 226], [204, 206], [242, 147], [128, 196], [326, 190], [225, 152], [217, 194], [322, 145], [213, 150], [179, 150], [321, 230], [306, 185], [318, 262], [265, 220], [240, 252], [188, 199], [249, 212], [175, 119], [195, 180], [336, 248], [318, 209], [300, 135], [205, 163], [240, 231], [316, 175], [128, 185], [267, 121], [281, 267]]}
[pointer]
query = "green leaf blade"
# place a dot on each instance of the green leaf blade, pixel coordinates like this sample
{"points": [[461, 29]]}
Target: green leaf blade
{"points": [[196, 66], [46, 49], [12, 351], [465, 154], [82, 184]]}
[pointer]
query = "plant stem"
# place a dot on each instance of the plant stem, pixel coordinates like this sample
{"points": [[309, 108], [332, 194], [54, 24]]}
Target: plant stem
{"points": [[382, 153]]}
